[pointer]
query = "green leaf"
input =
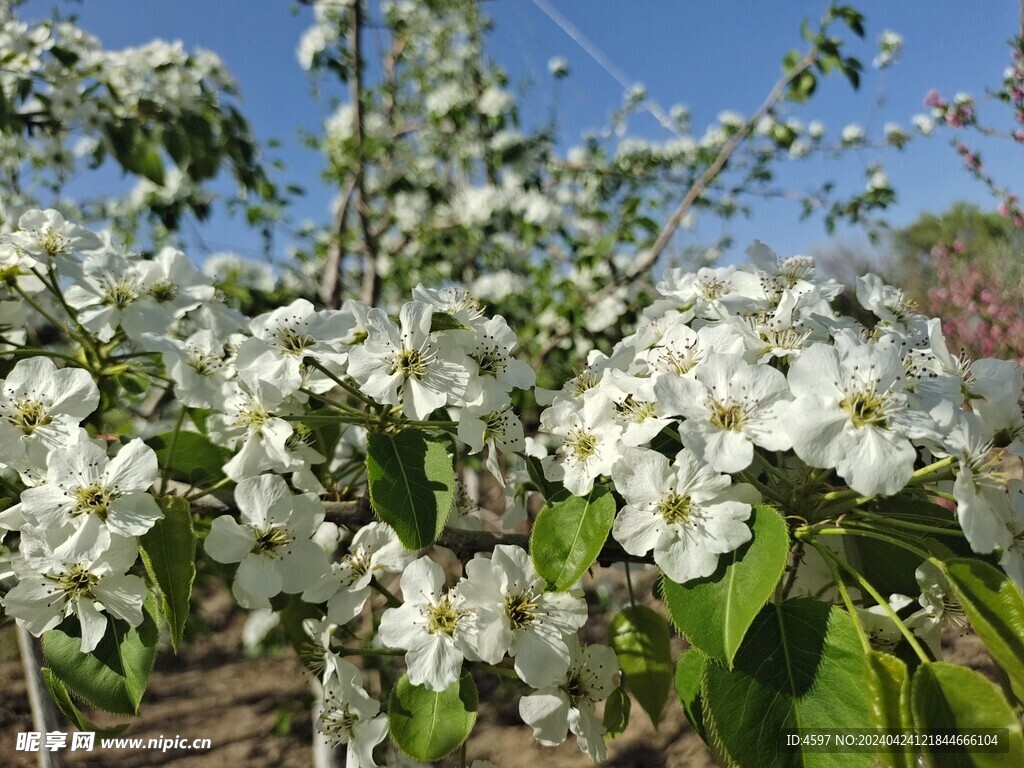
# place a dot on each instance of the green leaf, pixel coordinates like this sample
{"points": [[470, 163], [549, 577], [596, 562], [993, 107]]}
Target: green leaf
{"points": [[715, 612], [568, 535], [62, 699], [428, 725], [114, 676], [889, 701], [412, 484], [168, 551], [144, 158], [535, 469], [995, 607], [690, 673], [950, 697], [196, 460], [616, 713], [640, 638], [801, 665], [442, 321]]}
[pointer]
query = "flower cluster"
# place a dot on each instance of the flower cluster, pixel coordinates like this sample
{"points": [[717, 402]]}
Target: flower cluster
{"points": [[743, 383]]}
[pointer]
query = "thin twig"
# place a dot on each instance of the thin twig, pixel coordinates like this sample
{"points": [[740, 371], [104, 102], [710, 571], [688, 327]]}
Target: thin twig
{"points": [[650, 257]]}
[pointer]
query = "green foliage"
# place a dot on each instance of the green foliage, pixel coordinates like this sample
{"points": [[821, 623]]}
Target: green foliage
{"points": [[195, 459], [168, 551], [428, 725], [640, 639], [889, 685], [715, 612], [690, 673], [995, 606], [412, 484], [62, 699], [568, 535], [800, 666], [616, 713], [115, 675], [949, 698]]}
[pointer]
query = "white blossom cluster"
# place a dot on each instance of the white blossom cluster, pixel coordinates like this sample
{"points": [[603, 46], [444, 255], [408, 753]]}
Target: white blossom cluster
{"points": [[85, 498], [741, 381]]}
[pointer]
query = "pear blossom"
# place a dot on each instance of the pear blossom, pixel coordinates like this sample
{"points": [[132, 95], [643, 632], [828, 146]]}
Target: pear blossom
{"points": [[850, 413], [41, 405], [375, 549], [351, 716], [686, 512], [730, 407], [64, 573], [409, 365], [515, 614], [86, 488], [591, 442], [273, 543], [569, 704], [434, 626], [1012, 559]]}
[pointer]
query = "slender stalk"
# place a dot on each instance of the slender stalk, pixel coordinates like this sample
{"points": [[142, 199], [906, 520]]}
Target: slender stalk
{"points": [[629, 586], [165, 475], [392, 600], [829, 555]]}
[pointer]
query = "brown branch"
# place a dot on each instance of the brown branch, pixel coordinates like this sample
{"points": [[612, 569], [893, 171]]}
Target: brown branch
{"points": [[648, 259], [464, 543], [371, 285], [331, 284]]}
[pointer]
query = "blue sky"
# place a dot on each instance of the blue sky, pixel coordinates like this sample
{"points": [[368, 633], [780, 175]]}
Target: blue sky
{"points": [[709, 56]]}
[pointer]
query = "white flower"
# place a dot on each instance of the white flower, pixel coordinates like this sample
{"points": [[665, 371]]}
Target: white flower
{"points": [[169, 286], [590, 442], [42, 406], [850, 413], [87, 489], [246, 419], [345, 587], [351, 716], [1012, 559], [65, 573], [409, 366], [200, 366], [687, 513], [282, 338], [273, 544], [514, 614], [46, 235], [852, 134], [939, 608], [497, 372], [879, 625], [433, 626], [592, 676], [730, 407]]}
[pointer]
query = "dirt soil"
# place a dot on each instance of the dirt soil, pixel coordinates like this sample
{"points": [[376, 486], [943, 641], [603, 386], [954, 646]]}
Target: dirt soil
{"points": [[255, 711]]}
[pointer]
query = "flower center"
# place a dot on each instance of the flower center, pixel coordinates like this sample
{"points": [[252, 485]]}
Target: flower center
{"points": [[52, 241], [865, 408], [636, 411], [712, 289], [271, 540], [728, 416], [412, 363], [162, 291], [29, 415], [492, 361], [119, 293], [443, 617], [674, 508], [76, 582], [582, 445], [93, 500], [522, 608], [339, 724], [205, 363], [292, 341]]}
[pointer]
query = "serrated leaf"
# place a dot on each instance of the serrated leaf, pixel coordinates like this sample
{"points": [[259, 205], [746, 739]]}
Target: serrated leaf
{"points": [[616, 713], [995, 606], [114, 676], [62, 699], [428, 725], [568, 536], [412, 484], [196, 460], [535, 470], [889, 700], [168, 551], [801, 665], [947, 697], [442, 321], [640, 638], [714, 613], [690, 672]]}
